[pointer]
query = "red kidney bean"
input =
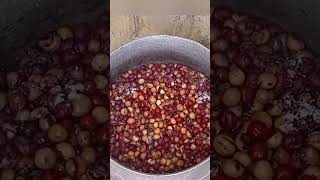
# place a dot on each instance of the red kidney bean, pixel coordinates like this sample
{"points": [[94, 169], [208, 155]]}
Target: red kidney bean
{"points": [[258, 130], [259, 151], [293, 140], [228, 120]]}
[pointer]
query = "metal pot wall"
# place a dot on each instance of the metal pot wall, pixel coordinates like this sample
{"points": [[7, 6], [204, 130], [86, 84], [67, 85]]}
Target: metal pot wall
{"points": [[300, 17], [23, 22]]}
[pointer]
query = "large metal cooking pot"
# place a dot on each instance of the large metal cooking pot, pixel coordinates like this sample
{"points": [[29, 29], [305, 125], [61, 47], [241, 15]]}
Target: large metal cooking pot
{"points": [[160, 49], [23, 22], [300, 17]]}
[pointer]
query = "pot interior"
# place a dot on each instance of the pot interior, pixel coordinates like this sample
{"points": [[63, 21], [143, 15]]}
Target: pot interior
{"points": [[159, 49]]}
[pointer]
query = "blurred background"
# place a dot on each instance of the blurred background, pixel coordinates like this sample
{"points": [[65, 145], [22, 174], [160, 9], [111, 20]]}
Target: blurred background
{"points": [[23, 22], [184, 18]]}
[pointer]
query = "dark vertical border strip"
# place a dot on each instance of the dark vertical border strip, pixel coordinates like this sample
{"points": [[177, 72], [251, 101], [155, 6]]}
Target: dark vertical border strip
{"points": [[213, 166], [108, 125], [211, 91]]}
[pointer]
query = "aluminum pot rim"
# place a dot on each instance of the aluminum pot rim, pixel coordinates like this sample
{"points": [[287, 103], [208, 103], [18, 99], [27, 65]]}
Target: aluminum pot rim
{"points": [[206, 160], [161, 38]]}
